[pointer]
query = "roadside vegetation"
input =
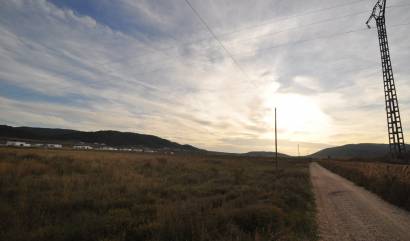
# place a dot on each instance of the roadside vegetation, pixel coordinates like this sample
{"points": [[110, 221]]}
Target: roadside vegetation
{"points": [[389, 181], [89, 195]]}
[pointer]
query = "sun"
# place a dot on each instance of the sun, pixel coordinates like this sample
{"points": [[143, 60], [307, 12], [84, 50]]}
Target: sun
{"points": [[299, 117]]}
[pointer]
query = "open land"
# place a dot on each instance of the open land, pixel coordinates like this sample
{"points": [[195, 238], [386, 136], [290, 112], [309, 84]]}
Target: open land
{"points": [[91, 195]]}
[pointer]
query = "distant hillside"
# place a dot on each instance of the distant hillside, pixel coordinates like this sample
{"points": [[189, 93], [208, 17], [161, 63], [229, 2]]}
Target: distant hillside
{"points": [[263, 154], [110, 138], [354, 151]]}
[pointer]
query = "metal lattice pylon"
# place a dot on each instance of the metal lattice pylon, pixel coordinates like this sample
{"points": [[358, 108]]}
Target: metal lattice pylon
{"points": [[395, 130]]}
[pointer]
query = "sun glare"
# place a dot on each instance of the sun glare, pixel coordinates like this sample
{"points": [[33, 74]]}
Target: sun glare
{"points": [[299, 117]]}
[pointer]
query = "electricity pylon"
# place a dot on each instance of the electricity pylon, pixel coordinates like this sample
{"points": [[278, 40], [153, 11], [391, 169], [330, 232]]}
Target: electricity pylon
{"points": [[396, 138]]}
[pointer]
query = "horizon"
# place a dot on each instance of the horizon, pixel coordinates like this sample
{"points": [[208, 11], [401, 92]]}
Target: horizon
{"points": [[154, 67], [279, 152]]}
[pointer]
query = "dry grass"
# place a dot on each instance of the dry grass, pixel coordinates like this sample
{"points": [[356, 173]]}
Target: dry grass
{"points": [[390, 181], [76, 195]]}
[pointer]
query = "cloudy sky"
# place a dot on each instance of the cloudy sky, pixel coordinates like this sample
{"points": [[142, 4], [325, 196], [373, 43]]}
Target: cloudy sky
{"points": [[152, 66]]}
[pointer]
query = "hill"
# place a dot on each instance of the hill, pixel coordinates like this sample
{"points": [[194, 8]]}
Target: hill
{"points": [[263, 154], [110, 138], [364, 150]]}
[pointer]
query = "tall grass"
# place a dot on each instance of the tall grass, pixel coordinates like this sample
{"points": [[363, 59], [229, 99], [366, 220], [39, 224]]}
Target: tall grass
{"points": [[84, 195], [389, 181]]}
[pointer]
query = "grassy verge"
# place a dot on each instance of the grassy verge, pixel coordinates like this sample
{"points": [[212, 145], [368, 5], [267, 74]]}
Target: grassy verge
{"points": [[389, 181], [75, 195]]}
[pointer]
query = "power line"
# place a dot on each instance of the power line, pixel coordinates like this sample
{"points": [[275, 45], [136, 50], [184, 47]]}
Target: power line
{"points": [[283, 45], [320, 38], [286, 30], [305, 25], [297, 27], [296, 16], [398, 5], [216, 38], [291, 29], [272, 47], [256, 37], [275, 20], [300, 26], [304, 14], [259, 25]]}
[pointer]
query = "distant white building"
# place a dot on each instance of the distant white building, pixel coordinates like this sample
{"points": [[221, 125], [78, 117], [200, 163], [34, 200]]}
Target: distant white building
{"points": [[80, 147], [125, 149], [53, 145], [108, 148], [18, 144]]}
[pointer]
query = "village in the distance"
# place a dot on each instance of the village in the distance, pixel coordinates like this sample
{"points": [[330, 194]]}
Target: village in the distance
{"points": [[79, 146]]}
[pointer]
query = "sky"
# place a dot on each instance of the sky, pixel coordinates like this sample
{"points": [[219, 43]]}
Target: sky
{"points": [[211, 80]]}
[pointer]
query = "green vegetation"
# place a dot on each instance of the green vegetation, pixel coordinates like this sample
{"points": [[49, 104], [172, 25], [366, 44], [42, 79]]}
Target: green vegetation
{"points": [[389, 181], [76, 195]]}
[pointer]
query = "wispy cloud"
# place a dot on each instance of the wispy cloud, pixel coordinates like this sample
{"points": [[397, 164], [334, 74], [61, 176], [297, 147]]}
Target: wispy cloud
{"points": [[151, 67]]}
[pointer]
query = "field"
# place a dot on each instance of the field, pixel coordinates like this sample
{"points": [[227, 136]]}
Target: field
{"points": [[389, 181], [85, 195]]}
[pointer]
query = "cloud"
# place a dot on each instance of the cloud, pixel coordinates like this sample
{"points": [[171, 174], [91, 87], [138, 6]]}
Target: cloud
{"points": [[151, 67]]}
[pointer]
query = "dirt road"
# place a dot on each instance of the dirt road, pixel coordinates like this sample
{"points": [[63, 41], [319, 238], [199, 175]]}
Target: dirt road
{"points": [[348, 212]]}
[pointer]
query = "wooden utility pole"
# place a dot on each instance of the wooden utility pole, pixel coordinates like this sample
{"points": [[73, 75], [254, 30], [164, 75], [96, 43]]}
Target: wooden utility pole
{"points": [[276, 142], [298, 151]]}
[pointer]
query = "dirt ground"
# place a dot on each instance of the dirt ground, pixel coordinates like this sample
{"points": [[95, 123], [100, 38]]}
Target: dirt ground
{"points": [[347, 212]]}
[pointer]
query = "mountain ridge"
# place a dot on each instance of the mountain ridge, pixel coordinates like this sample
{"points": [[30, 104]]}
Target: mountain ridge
{"points": [[108, 137], [130, 139], [264, 154], [360, 150]]}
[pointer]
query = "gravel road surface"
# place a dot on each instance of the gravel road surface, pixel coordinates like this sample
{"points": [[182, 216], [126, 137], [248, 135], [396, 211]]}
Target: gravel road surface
{"points": [[347, 212]]}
